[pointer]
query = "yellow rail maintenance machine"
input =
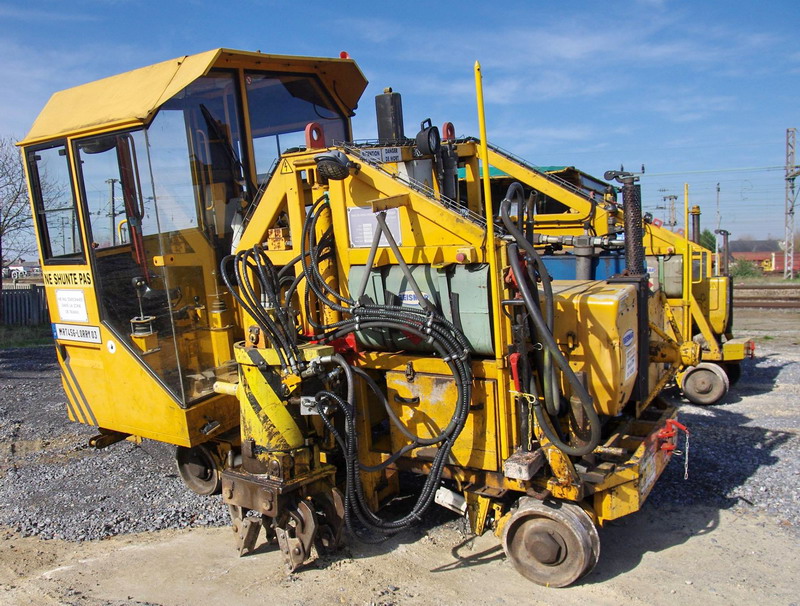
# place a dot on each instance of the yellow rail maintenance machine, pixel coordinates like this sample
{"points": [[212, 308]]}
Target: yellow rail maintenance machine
{"points": [[579, 226], [311, 319]]}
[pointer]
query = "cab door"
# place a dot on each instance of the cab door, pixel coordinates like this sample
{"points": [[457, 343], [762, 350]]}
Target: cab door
{"points": [[67, 277]]}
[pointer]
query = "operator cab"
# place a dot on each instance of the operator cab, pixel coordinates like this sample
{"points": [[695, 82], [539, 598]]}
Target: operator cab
{"points": [[145, 179]]}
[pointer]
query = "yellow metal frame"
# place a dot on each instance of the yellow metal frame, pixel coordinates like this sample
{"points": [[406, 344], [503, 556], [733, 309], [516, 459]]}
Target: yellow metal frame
{"points": [[709, 314]]}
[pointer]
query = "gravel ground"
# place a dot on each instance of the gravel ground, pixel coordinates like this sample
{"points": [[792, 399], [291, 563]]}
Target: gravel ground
{"points": [[744, 454], [52, 484]]}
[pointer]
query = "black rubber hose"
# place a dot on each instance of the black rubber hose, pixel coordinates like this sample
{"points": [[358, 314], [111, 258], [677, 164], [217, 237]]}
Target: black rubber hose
{"points": [[453, 362], [346, 368], [354, 492], [296, 280], [577, 387], [293, 261], [425, 498], [279, 341], [283, 337], [548, 373], [267, 285], [447, 341], [307, 267], [248, 308], [415, 440], [309, 236], [270, 284], [315, 260]]}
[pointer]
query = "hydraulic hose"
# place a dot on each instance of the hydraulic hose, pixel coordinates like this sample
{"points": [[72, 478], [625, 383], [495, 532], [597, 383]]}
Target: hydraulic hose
{"points": [[346, 368], [549, 342], [427, 324], [270, 283], [282, 342], [251, 307], [415, 440], [308, 235], [548, 372]]}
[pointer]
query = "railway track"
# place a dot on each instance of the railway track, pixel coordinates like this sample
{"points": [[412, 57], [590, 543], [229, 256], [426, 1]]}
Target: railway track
{"points": [[766, 296]]}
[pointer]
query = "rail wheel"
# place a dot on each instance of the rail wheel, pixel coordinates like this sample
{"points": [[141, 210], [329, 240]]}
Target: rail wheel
{"points": [[552, 543], [705, 384], [200, 469]]}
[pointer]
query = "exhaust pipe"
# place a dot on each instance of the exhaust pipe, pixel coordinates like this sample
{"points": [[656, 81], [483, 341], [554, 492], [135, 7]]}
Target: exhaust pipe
{"points": [[695, 212], [637, 271], [632, 212], [724, 267]]}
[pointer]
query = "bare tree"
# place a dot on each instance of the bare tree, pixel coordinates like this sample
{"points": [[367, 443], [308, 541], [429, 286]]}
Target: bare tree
{"points": [[16, 227]]}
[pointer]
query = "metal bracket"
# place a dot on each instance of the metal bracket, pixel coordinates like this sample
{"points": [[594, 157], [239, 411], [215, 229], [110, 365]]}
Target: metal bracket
{"points": [[246, 529], [296, 535]]}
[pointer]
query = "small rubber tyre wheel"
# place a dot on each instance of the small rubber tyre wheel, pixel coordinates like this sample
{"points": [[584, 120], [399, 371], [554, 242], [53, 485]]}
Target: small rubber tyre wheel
{"points": [[705, 384], [200, 469], [552, 543]]}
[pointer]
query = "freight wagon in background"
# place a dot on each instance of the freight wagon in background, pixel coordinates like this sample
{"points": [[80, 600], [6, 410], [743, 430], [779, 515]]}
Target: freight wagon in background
{"points": [[310, 319], [767, 255]]}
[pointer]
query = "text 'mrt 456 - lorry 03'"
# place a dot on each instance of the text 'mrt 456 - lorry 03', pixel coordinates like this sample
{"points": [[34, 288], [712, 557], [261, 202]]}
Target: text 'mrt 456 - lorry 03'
{"points": [[314, 320]]}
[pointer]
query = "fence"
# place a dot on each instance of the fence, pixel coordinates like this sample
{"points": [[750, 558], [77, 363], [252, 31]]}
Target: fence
{"points": [[24, 306]]}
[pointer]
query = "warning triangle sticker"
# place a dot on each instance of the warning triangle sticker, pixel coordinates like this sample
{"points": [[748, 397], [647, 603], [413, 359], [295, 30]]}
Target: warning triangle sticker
{"points": [[286, 168]]}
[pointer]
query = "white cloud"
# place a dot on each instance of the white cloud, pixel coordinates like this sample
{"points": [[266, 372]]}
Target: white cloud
{"points": [[600, 48], [374, 30]]}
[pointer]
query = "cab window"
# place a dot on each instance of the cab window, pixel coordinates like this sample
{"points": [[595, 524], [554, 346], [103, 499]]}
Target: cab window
{"points": [[54, 203], [281, 105]]}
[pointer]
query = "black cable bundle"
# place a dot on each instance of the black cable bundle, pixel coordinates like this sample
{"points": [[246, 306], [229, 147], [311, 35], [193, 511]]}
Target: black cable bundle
{"points": [[280, 330], [428, 325]]}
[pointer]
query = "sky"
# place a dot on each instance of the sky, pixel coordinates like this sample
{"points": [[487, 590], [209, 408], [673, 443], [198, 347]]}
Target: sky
{"points": [[696, 92]]}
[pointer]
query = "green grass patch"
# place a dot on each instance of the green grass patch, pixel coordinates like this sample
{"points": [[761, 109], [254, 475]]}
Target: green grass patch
{"points": [[25, 336]]}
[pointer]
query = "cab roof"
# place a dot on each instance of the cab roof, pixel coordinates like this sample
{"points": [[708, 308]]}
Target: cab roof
{"points": [[133, 98]]}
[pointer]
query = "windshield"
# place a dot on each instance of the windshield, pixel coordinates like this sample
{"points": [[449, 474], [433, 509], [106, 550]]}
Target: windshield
{"points": [[280, 108]]}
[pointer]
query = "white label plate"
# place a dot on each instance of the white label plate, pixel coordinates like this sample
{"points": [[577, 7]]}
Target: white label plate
{"points": [[362, 225], [372, 155], [392, 154], [382, 154], [71, 306], [630, 362], [83, 334]]}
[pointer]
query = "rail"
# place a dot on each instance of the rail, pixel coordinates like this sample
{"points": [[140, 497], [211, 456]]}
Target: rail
{"points": [[766, 296]]}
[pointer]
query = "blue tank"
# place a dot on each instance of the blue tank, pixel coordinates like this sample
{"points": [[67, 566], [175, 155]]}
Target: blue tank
{"points": [[562, 267]]}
